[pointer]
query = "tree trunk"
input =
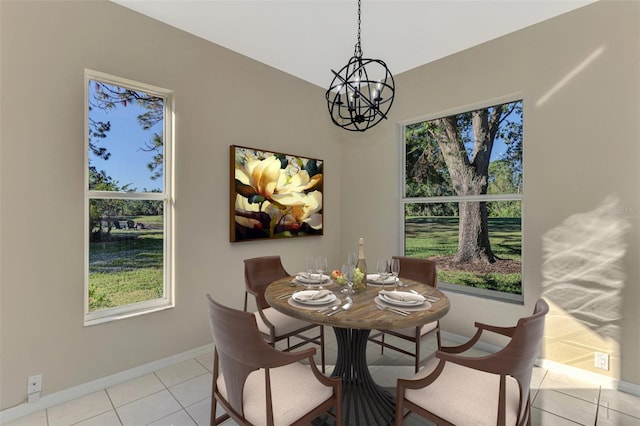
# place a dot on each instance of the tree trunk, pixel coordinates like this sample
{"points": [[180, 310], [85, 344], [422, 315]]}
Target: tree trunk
{"points": [[473, 234], [470, 177]]}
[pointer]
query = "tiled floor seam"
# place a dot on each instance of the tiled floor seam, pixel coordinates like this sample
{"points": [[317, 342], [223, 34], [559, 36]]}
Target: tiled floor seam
{"points": [[114, 406]]}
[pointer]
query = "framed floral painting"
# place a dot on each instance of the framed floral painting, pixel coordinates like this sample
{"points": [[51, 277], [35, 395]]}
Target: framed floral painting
{"points": [[274, 195]]}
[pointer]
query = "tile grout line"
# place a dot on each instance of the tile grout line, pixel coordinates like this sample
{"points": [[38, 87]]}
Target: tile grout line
{"points": [[114, 407], [595, 422]]}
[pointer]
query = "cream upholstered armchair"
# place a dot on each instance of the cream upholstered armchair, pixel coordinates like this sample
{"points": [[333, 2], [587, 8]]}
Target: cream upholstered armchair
{"points": [[260, 385], [489, 390], [275, 326]]}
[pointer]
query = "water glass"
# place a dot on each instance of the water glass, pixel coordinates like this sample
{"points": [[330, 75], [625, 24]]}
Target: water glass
{"points": [[383, 268]]}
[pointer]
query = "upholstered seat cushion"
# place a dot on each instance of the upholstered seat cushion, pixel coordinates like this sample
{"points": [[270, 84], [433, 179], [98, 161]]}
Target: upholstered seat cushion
{"points": [[284, 324], [411, 332], [464, 396], [289, 404]]}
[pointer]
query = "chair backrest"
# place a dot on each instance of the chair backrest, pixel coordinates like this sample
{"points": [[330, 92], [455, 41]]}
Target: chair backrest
{"points": [[422, 270], [240, 349], [259, 272], [517, 358]]}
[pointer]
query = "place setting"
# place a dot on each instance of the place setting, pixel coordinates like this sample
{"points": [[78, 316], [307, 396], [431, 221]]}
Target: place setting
{"points": [[406, 301], [312, 299], [387, 274], [314, 275]]}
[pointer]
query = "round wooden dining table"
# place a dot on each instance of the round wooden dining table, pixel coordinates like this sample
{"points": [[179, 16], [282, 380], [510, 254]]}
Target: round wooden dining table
{"points": [[365, 402]]}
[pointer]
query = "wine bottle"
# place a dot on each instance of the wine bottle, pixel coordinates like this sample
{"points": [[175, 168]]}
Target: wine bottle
{"points": [[362, 266]]}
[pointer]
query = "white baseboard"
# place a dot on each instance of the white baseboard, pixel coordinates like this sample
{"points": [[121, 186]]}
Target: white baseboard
{"points": [[95, 385]]}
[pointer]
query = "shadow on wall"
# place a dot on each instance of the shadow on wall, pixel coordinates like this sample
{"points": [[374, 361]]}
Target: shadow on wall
{"points": [[582, 269]]}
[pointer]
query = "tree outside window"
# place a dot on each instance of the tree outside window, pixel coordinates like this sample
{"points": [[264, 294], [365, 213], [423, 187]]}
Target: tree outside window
{"points": [[463, 194]]}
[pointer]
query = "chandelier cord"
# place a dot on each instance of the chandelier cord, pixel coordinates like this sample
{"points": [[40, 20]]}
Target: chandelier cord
{"points": [[358, 50]]}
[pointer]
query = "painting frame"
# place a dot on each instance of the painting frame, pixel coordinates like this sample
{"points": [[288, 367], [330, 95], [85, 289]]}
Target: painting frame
{"points": [[274, 195]]}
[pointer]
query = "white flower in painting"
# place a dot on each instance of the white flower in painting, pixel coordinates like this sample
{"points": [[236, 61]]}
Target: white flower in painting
{"points": [[243, 204], [285, 187], [261, 175], [307, 211]]}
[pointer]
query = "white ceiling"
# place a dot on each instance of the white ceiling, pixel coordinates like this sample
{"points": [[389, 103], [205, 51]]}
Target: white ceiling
{"points": [[308, 38]]}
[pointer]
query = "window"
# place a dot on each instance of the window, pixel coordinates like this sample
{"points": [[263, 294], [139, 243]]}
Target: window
{"points": [[128, 202], [462, 199]]}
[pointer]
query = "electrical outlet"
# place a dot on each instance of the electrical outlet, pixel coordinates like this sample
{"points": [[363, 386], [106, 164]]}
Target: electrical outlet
{"points": [[34, 384], [601, 361]]}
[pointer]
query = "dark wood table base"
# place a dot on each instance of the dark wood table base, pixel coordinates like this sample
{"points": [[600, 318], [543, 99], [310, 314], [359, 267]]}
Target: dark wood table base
{"points": [[364, 403]]}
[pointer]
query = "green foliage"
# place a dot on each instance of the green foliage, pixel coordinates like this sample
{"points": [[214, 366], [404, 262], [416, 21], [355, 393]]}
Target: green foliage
{"points": [[126, 271], [97, 298]]}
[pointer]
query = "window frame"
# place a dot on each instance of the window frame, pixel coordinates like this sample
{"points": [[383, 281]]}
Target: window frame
{"points": [[166, 196], [404, 200]]}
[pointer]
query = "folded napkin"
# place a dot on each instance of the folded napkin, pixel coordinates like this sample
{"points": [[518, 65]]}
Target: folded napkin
{"points": [[403, 296], [314, 278], [376, 279], [312, 295]]}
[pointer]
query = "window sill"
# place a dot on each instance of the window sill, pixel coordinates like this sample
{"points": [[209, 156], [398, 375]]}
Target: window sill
{"points": [[123, 312], [517, 299]]}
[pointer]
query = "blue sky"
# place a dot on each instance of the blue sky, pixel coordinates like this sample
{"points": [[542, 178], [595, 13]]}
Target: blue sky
{"points": [[128, 162]]}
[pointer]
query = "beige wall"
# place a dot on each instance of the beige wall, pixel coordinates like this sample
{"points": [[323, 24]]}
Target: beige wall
{"points": [[578, 75], [221, 98]]}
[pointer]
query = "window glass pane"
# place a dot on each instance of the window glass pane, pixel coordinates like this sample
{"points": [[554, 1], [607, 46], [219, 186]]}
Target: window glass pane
{"points": [[125, 252], [461, 154], [463, 195], [432, 230], [125, 139]]}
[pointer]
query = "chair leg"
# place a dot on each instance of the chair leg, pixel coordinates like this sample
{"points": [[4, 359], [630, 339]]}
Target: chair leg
{"points": [[322, 347], [214, 404], [418, 341], [382, 346]]}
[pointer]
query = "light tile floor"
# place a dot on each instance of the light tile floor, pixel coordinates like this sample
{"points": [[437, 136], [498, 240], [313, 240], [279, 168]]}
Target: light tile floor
{"points": [[180, 396]]}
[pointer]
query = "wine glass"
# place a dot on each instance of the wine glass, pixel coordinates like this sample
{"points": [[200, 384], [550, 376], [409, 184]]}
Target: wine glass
{"points": [[383, 267], [352, 259], [345, 274], [311, 267], [395, 271], [350, 271], [321, 266]]}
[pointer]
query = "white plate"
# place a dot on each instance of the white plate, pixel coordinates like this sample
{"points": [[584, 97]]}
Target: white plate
{"points": [[375, 279], [393, 301], [303, 278], [322, 301]]}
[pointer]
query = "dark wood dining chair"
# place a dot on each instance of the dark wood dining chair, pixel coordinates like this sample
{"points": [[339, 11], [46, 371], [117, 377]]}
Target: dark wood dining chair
{"points": [[424, 271], [275, 326], [257, 384], [454, 389]]}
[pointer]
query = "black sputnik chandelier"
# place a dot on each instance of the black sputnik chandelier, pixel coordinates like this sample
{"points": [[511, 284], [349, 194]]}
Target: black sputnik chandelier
{"points": [[361, 93]]}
